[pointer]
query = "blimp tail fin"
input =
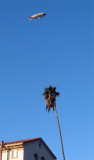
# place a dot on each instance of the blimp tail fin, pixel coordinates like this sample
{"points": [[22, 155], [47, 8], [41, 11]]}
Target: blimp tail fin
{"points": [[30, 18]]}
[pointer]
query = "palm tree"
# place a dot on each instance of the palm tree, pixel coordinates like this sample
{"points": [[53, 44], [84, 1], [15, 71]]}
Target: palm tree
{"points": [[50, 95]]}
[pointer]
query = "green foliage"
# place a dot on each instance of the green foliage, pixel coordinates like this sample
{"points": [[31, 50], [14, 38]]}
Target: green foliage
{"points": [[51, 91], [50, 95]]}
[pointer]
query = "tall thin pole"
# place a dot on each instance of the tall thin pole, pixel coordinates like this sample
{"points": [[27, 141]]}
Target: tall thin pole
{"points": [[59, 132], [1, 150]]}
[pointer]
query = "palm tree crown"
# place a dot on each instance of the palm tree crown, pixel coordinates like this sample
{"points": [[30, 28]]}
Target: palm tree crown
{"points": [[50, 95]]}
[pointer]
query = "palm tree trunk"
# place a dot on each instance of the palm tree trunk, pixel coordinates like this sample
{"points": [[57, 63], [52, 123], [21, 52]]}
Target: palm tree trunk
{"points": [[59, 132]]}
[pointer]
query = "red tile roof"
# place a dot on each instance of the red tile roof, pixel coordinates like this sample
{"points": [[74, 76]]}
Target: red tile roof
{"points": [[22, 141]]}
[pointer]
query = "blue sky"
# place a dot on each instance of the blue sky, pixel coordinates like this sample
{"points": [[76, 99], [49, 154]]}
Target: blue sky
{"points": [[55, 50]]}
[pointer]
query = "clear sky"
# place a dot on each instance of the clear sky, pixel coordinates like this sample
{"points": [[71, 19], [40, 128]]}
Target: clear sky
{"points": [[55, 50]]}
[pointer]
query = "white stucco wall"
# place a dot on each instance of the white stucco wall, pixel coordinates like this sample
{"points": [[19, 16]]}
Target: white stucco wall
{"points": [[33, 147], [4, 155], [19, 157]]}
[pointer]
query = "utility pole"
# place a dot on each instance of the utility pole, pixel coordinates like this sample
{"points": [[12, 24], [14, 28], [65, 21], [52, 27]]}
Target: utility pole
{"points": [[1, 150]]}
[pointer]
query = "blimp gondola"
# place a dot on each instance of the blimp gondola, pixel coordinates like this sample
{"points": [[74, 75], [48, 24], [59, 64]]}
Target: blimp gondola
{"points": [[37, 16]]}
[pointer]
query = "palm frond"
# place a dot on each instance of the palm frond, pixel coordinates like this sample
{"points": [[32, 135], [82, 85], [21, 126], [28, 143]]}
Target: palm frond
{"points": [[45, 93], [50, 88], [46, 89], [57, 94]]}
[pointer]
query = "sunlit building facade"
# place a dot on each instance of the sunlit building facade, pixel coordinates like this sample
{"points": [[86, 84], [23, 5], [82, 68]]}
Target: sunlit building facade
{"points": [[29, 149]]}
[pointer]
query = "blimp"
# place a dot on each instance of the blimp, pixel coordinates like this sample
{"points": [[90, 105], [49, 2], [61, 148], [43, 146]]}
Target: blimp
{"points": [[37, 16]]}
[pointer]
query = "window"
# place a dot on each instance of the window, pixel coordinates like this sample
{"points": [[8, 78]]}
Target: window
{"points": [[39, 145], [35, 156], [42, 158], [14, 153]]}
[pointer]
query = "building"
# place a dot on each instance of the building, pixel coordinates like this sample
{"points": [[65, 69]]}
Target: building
{"points": [[29, 149]]}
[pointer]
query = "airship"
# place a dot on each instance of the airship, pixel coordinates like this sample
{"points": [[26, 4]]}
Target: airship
{"points": [[37, 16]]}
